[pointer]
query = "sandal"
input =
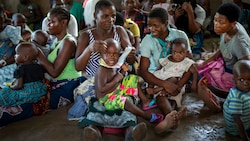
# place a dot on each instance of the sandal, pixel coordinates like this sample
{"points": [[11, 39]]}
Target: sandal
{"points": [[156, 118], [152, 104], [207, 96]]}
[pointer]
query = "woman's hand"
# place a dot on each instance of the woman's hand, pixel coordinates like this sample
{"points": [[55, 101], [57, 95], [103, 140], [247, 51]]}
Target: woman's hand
{"points": [[132, 57], [187, 7], [178, 12], [99, 46], [171, 88], [39, 54]]}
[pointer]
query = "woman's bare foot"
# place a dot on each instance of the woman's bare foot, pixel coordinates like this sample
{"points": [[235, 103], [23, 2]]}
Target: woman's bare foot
{"points": [[209, 99], [137, 133], [168, 123], [91, 134]]}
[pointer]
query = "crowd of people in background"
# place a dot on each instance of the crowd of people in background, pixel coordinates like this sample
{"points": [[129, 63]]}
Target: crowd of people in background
{"points": [[121, 58]]}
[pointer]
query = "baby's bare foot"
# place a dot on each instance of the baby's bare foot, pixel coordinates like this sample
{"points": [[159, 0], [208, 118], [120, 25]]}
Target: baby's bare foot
{"points": [[167, 123], [182, 113]]}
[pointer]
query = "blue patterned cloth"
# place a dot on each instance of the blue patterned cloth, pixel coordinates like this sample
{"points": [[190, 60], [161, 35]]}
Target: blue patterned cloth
{"points": [[30, 93], [9, 38], [6, 74], [15, 113], [61, 93]]}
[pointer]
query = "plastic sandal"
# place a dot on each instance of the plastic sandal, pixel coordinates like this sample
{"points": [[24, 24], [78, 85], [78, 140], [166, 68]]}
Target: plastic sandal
{"points": [[156, 118]]}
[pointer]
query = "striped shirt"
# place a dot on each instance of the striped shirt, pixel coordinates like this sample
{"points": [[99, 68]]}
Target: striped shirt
{"points": [[237, 102], [93, 62]]}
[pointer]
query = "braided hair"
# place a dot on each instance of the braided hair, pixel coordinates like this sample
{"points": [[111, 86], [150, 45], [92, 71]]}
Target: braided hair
{"points": [[61, 12]]}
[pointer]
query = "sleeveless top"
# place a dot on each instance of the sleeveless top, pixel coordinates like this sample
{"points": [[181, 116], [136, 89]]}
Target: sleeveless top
{"points": [[93, 62], [69, 72]]}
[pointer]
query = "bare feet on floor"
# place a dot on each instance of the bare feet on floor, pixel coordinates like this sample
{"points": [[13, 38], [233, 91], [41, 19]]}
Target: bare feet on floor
{"points": [[91, 134], [180, 114], [137, 133], [168, 123], [209, 99]]}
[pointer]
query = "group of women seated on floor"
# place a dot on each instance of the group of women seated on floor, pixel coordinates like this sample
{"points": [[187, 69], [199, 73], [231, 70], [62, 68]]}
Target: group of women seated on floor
{"points": [[72, 63]]}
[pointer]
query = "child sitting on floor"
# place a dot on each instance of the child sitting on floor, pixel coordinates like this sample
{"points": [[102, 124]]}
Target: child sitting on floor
{"points": [[114, 89], [28, 86], [236, 108], [177, 68]]}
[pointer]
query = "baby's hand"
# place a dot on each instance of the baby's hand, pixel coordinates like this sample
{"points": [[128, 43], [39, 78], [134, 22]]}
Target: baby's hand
{"points": [[125, 67]]}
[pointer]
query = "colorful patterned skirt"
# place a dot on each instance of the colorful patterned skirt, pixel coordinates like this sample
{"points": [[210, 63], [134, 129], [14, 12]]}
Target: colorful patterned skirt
{"points": [[117, 98], [10, 114], [98, 114], [30, 93]]}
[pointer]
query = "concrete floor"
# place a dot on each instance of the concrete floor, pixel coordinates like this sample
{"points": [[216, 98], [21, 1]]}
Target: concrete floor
{"points": [[200, 124]]}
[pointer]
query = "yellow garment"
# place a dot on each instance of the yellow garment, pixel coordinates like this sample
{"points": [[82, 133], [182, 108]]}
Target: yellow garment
{"points": [[133, 27]]}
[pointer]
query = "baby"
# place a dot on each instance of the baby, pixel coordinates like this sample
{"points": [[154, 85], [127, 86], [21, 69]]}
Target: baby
{"points": [[113, 88], [176, 68], [19, 19], [236, 108], [40, 39], [28, 86]]}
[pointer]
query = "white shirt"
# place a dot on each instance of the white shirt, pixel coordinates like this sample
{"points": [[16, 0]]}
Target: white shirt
{"points": [[72, 26], [200, 14]]}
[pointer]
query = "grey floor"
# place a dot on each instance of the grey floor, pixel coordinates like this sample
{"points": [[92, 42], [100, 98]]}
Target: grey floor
{"points": [[200, 124]]}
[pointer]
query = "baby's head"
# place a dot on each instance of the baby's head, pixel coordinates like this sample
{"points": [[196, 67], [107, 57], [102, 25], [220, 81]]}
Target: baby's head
{"points": [[26, 52], [112, 54], [39, 37], [19, 19], [179, 49], [241, 75], [26, 34]]}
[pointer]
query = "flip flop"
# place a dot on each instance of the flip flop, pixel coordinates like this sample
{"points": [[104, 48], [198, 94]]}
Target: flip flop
{"points": [[156, 118], [151, 105]]}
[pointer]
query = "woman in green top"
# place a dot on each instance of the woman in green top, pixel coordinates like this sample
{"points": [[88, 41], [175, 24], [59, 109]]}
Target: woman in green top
{"points": [[60, 62]]}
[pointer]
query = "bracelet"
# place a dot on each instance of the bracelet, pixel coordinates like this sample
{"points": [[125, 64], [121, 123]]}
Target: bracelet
{"points": [[3, 62]]}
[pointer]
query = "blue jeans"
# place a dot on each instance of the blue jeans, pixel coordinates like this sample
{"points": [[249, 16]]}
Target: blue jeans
{"points": [[199, 38]]}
